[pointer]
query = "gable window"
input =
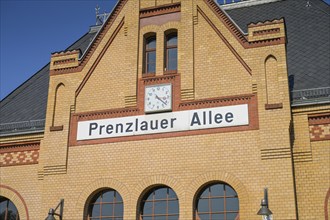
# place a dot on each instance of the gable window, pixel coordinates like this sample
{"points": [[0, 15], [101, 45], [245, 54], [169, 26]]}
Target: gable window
{"points": [[150, 54], [171, 52], [160, 203], [106, 204], [217, 201], [8, 210]]}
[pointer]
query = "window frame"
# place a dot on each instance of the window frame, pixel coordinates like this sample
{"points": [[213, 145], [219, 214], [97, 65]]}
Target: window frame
{"points": [[147, 50], [99, 195], [209, 199], [168, 35], [154, 201]]}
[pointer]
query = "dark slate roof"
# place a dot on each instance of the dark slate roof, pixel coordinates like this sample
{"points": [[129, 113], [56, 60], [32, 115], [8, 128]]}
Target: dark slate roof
{"points": [[308, 37], [25, 108]]}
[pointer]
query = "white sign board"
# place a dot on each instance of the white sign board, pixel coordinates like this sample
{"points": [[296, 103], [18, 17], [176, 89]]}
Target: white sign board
{"points": [[218, 117]]}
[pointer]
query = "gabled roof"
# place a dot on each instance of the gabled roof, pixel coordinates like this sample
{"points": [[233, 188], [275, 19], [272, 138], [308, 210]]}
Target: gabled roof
{"points": [[308, 57]]}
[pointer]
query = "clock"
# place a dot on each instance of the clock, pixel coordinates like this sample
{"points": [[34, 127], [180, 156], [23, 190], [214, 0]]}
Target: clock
{"points": [[158, 98]]}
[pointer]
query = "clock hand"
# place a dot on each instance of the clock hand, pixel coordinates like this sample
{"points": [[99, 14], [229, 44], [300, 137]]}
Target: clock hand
{"points": [[161, 100]]}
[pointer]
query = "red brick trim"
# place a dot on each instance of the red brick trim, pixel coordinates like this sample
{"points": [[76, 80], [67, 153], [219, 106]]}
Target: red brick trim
{"points": [[178, 105], [100, 56], [160, 10], [20, 197], [326, 202], [56, 128], [96, 42], [70, 60], [146, 75], [230, 47], [273, 106], [265, 32], [319, 119], [19, 146], [242, 39]]}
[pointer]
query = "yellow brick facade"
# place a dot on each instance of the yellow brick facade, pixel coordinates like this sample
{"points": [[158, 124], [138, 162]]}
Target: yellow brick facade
{"points": [[212, 63]]}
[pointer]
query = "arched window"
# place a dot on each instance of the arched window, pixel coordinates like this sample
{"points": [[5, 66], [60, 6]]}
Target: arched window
{"points": [[171, 52], [107, 205], [217, 201], [150, 54], [8, 210], [160, 203]]}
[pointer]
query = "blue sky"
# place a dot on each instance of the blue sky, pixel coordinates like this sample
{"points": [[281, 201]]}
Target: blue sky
{"points": [[32, 29]]}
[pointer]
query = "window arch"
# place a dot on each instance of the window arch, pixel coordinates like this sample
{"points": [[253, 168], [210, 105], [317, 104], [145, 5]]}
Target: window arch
{"points": [[171, 51], [217, 201], [8, 210], [107, 204], [160, 203], [150, 53]]}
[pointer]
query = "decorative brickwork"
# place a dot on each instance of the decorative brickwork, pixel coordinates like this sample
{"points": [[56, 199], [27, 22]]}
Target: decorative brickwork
{"points": [[19, 154], [160, 10], [319, 127]]}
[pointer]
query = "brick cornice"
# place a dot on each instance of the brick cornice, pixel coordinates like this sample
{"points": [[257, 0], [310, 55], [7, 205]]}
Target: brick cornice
{"points": [[19, 146], [318, 119], [160, 10]]}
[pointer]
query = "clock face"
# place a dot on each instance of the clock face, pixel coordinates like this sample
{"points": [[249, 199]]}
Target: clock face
{"points": [[158, 98]]}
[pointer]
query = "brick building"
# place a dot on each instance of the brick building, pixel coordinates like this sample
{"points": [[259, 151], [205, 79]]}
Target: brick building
{"points": [[176, 109]]}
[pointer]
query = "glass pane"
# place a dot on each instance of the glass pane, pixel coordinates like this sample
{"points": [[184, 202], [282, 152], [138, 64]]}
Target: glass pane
{"points": [[151, 57], [203, 205], [204, 216], [205, 194], [230, 191], [3, 206], [96, 211], [171, 194], [175, 217], [173, 207], [232, 204], [217, 205], [218, 217], [108, 196], [151, 43], [232, 216], [147, 208], [151, 196], [161, 193], [151, 68], [217, 190], [119, 209], [160, 207], [147, 218], [172, 40], [118, 197], [172, 62], [107, 209]]}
